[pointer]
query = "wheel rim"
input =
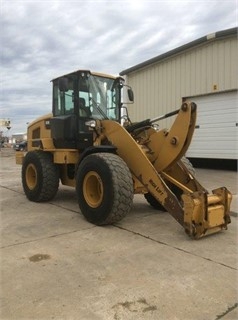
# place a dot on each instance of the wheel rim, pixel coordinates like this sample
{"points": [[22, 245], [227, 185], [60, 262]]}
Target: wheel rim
{"points": [[31, 176], [93, 189]]}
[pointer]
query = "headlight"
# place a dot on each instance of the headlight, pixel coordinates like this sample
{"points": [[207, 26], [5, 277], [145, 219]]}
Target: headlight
{"points": [[91, 123]]}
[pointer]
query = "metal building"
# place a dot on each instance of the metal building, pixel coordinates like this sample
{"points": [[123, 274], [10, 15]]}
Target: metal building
{"points": [[204, 71]]}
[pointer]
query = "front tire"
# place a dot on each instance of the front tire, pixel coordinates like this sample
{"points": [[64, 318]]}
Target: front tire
{"points": [[104, 188], [40, 176]]}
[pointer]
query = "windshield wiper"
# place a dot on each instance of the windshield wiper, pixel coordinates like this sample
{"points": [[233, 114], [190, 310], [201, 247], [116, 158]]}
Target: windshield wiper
{"points": [[100, 110]]}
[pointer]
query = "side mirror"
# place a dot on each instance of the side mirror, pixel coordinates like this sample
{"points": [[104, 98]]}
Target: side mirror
{"points": [[63, 84], [130, 95]]}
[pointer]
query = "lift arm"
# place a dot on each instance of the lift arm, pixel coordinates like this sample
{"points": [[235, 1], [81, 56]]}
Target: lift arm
{"points": [[198, 212]]}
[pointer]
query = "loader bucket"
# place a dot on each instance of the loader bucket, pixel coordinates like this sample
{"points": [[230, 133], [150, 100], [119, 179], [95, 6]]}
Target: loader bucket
{"points": [[205, 214]]}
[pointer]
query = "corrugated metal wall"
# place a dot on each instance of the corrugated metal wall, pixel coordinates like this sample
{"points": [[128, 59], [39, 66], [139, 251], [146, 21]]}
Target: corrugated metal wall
{"points": [[159, 88]]}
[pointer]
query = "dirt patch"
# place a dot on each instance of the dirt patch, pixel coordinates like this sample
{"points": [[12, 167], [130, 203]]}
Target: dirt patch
{"points": [[139, 306], [39, 257]]}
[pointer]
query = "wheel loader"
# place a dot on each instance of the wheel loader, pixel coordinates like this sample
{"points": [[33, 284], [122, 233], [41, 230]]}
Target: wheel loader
{"points": [[89, 143]]}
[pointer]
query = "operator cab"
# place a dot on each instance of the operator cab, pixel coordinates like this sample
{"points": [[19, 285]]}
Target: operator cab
{"points": [[79, 98]]}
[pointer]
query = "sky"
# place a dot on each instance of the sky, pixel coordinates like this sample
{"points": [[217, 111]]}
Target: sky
{"points": [[41, 40]]}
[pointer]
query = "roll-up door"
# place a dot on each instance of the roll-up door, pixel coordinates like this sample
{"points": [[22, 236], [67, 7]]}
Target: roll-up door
{"points": [[216, 133]]}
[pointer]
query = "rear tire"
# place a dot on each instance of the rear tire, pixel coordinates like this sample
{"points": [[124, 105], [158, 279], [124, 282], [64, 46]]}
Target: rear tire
{"points": [[40, 176], [188, 165], [104, 188], [155, 203]]}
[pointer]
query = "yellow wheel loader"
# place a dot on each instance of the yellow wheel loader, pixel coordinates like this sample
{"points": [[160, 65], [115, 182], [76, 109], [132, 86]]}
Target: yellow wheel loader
{"points": [[84, 144]]}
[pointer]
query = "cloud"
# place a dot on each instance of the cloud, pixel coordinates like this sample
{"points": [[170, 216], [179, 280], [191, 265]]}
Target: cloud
{"points": [[43, 39]]}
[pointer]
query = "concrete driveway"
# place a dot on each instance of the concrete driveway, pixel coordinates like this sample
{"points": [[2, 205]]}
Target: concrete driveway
{"points": [[56, 265]]}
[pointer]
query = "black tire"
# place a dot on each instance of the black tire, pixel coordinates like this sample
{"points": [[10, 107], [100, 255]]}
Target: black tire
{"points": [[189, 165], [154, 202], [178, 192], [40, 176], [104, 188]]}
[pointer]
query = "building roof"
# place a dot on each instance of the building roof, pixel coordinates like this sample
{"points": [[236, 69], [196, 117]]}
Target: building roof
{"points": [[220, 34]]}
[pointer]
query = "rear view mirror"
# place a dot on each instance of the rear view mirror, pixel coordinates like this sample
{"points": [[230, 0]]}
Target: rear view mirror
{"points": [[130, 95], [63, 84]]}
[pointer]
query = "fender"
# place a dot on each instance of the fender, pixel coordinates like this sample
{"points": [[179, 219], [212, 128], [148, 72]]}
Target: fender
{"points": [[96, 149]]}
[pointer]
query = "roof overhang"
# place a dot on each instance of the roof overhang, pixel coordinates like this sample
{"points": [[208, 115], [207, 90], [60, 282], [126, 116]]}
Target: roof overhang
{"points": [[210, 37]]}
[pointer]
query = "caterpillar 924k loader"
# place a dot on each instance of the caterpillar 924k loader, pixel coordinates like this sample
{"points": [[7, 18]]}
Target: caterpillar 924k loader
{"points": [[83, 144]]}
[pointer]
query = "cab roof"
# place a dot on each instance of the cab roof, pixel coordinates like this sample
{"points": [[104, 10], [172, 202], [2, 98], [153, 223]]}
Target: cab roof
{"points": [[91, 72]]}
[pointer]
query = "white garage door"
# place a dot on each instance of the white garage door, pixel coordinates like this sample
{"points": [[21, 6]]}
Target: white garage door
{"points": [[216, 133]]}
